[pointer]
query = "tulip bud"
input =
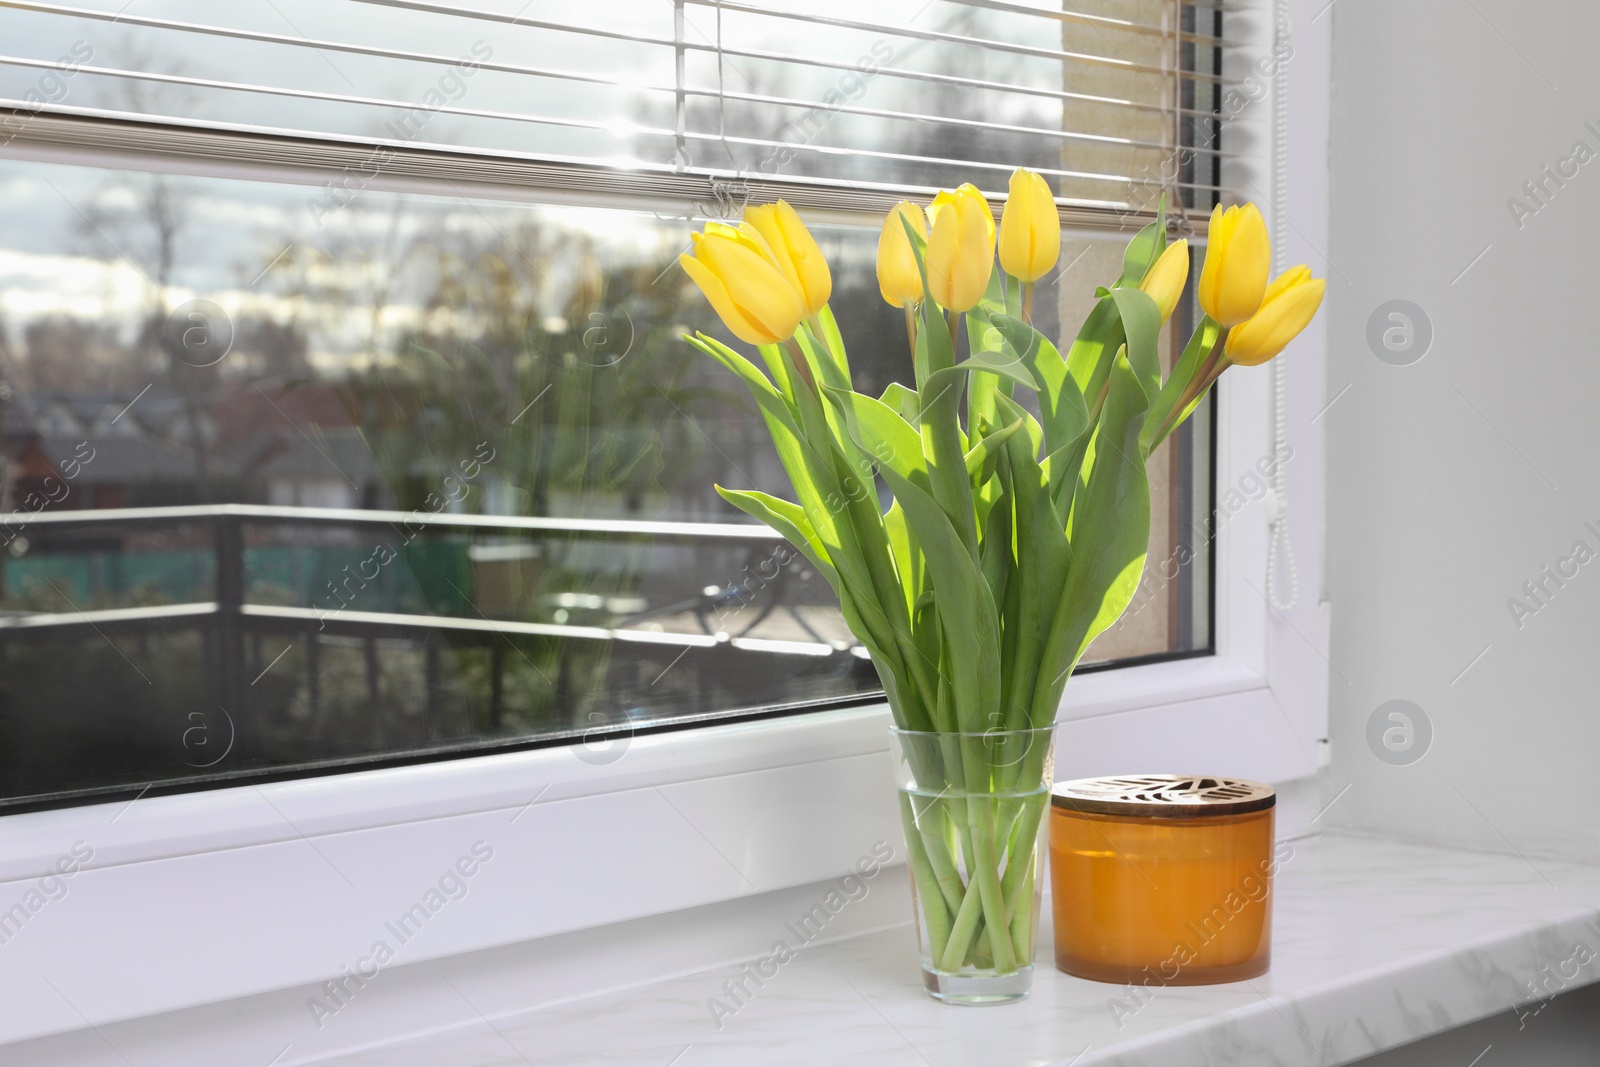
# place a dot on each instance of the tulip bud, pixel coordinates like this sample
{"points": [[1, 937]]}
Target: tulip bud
{"points": [[1288, 307], [898, 278], [1030, 228], [960, 255], [1238, 260], [736, 272], [794, 251], [1164, 281]]}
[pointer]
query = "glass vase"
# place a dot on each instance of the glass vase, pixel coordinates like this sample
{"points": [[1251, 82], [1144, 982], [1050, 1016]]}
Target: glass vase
{"points": [[972, 805]]}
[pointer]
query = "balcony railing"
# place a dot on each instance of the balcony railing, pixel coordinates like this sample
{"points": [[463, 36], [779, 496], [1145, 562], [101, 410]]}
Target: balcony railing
{"points": [[241, 635]]}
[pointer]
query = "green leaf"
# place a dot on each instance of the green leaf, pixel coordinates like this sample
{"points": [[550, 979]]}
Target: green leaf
{"points": [[1089, 358], [834, 341], [817, 488], [1145, 248], [1141, 326], [939, 409], [1043, 559], [982, 336], [778, 366], [902, 400], [998, 363], [1013, 411], [908, 562], [1109, 537], [965, 607], [1065, 415], [789, 519], [983, 456], [884, 437]]}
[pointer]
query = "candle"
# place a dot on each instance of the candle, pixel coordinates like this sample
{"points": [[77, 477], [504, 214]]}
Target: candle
{"points": [[1162, 879]]}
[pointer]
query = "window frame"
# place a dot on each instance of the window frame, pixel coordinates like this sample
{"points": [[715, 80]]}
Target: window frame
{"points": [[1257, 706]]}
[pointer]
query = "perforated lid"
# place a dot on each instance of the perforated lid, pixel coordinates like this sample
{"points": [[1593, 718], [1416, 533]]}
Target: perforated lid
{"points": [[1164, 796]]}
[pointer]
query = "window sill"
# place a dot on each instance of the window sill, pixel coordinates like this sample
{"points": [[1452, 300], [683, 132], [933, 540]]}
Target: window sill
{"points": [[1376, 944]]}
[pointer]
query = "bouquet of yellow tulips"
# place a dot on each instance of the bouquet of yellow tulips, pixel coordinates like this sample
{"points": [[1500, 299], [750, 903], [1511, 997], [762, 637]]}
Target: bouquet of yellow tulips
{"points": [[1012, 540]]}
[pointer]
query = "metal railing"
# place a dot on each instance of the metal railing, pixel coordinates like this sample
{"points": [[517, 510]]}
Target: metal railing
{"points": [[234, 628]]}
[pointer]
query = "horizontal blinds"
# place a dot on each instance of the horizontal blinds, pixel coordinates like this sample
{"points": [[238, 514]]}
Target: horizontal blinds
{"points": [[1115, 100]]}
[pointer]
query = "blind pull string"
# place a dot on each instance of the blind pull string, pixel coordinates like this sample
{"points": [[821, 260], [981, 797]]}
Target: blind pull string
{"points": [[1280, 549]]}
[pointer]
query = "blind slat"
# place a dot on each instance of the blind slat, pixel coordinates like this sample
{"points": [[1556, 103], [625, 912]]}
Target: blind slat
{"points": [[1127, 94]]}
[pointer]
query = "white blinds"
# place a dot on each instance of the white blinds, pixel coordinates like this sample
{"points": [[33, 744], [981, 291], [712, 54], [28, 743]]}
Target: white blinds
{"points": [[1115, 100]]}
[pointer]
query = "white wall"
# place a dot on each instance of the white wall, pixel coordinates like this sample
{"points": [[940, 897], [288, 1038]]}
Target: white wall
{"points": [[1454, 480]]}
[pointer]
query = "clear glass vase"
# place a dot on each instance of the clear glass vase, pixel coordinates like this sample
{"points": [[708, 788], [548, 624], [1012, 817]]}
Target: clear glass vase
{"points": [[972, 805]]}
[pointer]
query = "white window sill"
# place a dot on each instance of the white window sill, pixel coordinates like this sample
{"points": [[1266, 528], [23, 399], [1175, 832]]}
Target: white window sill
{"points": [[1376, 944]]}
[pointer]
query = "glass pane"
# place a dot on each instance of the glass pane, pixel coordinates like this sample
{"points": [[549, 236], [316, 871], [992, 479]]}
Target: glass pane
{"points": [[297, 488]]}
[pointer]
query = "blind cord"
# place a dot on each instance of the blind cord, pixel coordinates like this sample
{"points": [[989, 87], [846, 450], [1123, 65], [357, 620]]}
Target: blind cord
{"points": [[1278, 541]]}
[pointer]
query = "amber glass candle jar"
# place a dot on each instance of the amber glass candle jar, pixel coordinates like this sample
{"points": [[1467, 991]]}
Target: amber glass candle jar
{"points": [[1162, 879]]}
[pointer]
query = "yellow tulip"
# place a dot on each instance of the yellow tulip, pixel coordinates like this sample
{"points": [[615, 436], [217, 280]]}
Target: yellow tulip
{"points": [[1238, 260], [960, 248], [1030, 228], [898, 278], [736, 272], [1290, 303], [1163, 282], [794, 251]]}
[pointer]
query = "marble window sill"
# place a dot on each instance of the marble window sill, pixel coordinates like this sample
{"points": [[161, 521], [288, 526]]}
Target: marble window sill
{"points": [[1377, 944]]}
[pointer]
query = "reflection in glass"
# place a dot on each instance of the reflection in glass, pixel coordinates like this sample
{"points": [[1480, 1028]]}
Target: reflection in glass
{"points": [[291, 487]]}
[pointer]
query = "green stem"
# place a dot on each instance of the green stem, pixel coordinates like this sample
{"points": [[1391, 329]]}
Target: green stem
{"points": [[930, 892], [1017, 885], [987, 879], [1022, 913], [911, 329], [1204, 379], [962, 931], [931, 825]]}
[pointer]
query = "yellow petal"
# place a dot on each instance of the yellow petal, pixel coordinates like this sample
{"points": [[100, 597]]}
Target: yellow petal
{"points": [[976, 260], [795, 251], [970, 193], [1211, 270], [762, 229], [944, 247], [740, 325], [1291, 277], [1164, 282], [1238, 260], [1293, 303], [898, 278], [1030, 228], [755, 285]]}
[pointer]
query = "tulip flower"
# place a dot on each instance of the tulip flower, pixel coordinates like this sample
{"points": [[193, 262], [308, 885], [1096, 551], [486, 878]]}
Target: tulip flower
{"points": [[1288, 307], [737, 273], [1164, 281], [1238, 260], [1030, 228], [794, 251], [898, 278], [960, 254]]}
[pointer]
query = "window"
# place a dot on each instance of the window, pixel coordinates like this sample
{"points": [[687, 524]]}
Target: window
{"points": [[346, 415]]}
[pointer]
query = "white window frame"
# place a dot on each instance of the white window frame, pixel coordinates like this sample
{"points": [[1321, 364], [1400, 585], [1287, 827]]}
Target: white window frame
{"points": [[588, 836]]}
